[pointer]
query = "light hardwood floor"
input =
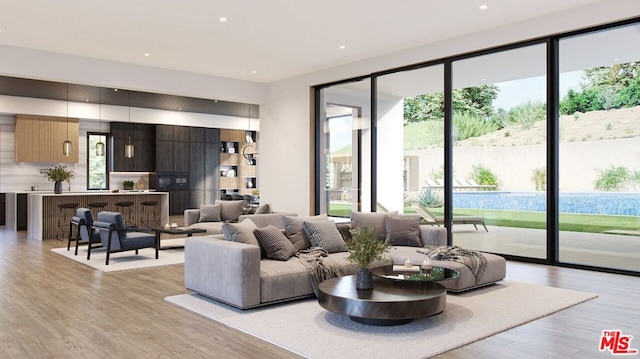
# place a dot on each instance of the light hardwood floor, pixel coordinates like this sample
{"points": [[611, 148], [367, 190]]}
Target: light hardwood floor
{"points": [[51, 307]]}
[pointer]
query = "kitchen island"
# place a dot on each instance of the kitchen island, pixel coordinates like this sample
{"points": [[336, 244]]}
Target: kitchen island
{"points": [[46, 220]]}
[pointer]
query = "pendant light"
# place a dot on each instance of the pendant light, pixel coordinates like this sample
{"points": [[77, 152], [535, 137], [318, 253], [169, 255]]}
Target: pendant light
{"points": [[128, 148], [100, 144], [67, 146], [249, 151]]}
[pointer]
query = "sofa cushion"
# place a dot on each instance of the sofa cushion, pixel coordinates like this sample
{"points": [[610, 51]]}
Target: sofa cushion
{"points": [[240, 232], [210, 213], [295, 232], [276, 245], [263, 209], [230, 210], [326, 235], [373, 219], [403, 230]]}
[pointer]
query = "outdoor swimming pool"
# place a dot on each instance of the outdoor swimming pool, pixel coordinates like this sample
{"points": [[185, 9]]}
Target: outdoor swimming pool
{"points": [[618, 203]]}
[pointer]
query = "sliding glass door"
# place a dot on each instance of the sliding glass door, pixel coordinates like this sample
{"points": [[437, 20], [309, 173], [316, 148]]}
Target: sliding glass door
{"points": [[599, 149], [346, 149]]}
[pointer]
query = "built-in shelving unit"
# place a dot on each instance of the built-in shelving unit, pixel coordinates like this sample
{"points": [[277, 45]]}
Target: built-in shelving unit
{"points": [[237, 174]]}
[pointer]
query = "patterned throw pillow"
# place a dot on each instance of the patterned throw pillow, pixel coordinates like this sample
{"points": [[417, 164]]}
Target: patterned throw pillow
{"points": [[403, 230], [210, 213], [275, 243], [326, 235], [295, 232], [240, 232]]}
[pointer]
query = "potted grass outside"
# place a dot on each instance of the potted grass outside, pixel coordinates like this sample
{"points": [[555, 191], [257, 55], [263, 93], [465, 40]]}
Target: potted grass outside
{"points": [[59, 174], [364, 248]]}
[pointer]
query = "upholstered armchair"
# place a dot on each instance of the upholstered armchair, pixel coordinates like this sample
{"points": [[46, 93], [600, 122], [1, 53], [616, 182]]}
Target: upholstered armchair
{"points": [[117, 237], [85, 233]]}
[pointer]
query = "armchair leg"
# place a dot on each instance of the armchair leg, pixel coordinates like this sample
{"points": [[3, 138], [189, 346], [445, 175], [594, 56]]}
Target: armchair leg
{"points": [[69, 238]]}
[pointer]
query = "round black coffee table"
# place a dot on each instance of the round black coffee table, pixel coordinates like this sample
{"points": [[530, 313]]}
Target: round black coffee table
{"points": [[390, 302]]}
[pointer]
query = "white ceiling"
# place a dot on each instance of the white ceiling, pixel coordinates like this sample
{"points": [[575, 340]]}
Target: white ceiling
{"points": [[277, 39]]}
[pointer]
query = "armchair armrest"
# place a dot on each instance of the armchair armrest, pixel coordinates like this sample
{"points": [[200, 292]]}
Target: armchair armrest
{"points": [[224, 270], [191, 216]]}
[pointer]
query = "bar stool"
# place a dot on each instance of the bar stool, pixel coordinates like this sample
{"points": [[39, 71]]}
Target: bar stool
{"points": [[65, 212], [98, 206], [122, 208], [149, 214]]}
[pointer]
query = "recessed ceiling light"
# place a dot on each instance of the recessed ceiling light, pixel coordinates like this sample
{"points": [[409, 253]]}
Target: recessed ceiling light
{"points": [[223, 19], [483, 7], [115, 90], [147, 54], [254, 72], [342, 47]]}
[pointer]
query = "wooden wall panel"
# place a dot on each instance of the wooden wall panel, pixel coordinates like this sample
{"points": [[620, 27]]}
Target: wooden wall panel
{"points": [[40, 138]]}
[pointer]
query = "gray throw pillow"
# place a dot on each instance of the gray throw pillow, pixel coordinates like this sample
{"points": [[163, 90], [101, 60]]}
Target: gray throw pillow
{"points": [[263, 209], [373, 219], [240, 232], [276, 245], [295, 232], [231, 210], [403, 230], [210, 213], [326, 235]]}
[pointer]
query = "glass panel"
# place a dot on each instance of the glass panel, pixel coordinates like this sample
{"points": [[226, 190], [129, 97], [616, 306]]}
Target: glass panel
{"points": [[599, 164], [410, 122], [499, 156], [96, 165], [346, 145]]}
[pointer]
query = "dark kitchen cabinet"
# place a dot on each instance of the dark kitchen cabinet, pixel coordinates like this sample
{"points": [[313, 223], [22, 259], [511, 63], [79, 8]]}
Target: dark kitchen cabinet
{"points": [[142, 137], [172, 148]]}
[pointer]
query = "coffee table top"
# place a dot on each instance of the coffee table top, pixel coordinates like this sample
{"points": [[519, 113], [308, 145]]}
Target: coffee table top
{"points": [[414, 273], [179, 230]]}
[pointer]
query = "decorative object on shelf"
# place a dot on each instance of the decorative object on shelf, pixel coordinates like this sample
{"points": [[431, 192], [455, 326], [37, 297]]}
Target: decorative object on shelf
{"points": [[129, 150], [67, 146], [100, 144], [364, 248], [127, 185], [249, 183], [58, 174], [141, 184], [255, 192], [250, 152]]}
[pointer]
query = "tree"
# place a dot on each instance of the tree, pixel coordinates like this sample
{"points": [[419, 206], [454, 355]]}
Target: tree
{"points": [[476, 101]]}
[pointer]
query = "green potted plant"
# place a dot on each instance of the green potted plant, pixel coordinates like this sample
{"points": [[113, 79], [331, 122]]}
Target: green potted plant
{"points": [[59, 174], [364, 248], [127, 185]]}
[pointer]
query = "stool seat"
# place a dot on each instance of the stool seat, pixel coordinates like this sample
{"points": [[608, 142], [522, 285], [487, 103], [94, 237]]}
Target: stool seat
{"points": [[149, 213], [122, 208], [97, 205], [66, 211]]}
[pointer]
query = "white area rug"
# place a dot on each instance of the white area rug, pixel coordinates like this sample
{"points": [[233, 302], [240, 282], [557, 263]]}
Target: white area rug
{"points": [[305, 328], [127, 260]]}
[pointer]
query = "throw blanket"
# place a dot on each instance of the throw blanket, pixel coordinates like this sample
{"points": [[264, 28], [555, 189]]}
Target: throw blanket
{"points": [[319, 267], [473, 260]]}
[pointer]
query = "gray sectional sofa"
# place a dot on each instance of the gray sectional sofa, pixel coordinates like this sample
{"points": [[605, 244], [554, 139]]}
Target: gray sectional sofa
{"points": [[238, 274]]}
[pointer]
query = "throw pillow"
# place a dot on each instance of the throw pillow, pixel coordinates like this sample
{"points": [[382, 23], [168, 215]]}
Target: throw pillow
{"points": [[403, 230], [210, 213], [276, 245], [345, 231], [240, 232], [230, 210], [295, 232], [263, 209], [373, 219], [326, 235]]}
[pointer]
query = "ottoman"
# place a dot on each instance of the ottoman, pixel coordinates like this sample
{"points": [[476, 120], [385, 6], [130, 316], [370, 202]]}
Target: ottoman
{"points": [[496, 268]]}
